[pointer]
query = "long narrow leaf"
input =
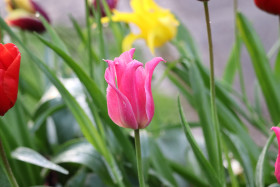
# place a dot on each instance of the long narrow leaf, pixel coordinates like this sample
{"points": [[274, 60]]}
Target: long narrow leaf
{"points": [[260, 62], [209, 171]]}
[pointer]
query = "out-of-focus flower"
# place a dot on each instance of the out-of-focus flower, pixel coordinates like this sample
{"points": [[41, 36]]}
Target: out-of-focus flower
{"points": [[22, 14], [277, 163], [129, 95], [9, 75], [157, 25], [111, 4], [270, 6]]}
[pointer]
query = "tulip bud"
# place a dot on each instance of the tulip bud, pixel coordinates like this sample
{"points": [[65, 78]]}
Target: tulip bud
{"points": [[129, 95], [271, 6], [23, 14], [9, 75], [111, 4], [277, 163]]}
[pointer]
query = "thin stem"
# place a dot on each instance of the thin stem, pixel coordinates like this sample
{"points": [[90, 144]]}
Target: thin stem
{"points": [[7, 166], [213, 95], [89, 40], [139, 158]]}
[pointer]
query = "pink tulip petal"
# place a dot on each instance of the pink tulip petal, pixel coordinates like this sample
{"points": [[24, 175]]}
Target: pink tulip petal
{"points": [[121, 62], [277, 163], [128, 86], [119, 108], [149, 68], [126, 57], [141, 115]]}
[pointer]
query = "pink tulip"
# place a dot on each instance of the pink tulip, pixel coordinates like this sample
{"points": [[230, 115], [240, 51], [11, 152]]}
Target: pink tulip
{"points": [[129, 95], [277, 163]]}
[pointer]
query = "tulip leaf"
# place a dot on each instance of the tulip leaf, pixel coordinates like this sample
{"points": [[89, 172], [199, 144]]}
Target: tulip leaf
{"points": [[233, 63], [30, 156], [202, 105], [259, 179], [260, 62], [209, 171], [78, 29], [188, 175], [241, 153], [81, 152], [160, 164], [54, 36], [4, 181]]}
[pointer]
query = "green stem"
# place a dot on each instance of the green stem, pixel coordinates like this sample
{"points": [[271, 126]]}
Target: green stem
{"points": [[89, 40], [220, 169], [7, 166], [139, 158]]}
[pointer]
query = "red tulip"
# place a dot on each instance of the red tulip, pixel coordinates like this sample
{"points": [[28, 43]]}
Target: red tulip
{"points": [[22, 14], [111, 4], [9, 75], [129, 95], [270, 6], [277, 163]]}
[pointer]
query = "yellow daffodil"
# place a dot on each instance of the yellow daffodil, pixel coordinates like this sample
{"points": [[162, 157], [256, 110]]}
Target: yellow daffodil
{"points": [[157, 25]]}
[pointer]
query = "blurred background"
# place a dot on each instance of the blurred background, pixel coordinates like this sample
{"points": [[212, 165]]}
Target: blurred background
{"points": [[190, 12]]}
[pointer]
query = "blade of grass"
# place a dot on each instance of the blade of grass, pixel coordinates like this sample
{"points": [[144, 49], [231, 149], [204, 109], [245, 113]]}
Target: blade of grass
{"points": [[261, 65], [259, 179], [209, 171]]}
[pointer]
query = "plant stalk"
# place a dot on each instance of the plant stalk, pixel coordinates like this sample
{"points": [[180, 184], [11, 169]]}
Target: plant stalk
{"points": [[7, 166], [220, 169], [139, 158]]}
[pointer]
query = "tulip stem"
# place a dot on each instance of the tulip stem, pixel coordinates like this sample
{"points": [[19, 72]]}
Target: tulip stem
{"points": [[139, 158], [7, 166], [220, 169]]}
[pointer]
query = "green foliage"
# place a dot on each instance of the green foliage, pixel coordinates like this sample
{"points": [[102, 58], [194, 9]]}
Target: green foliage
{"points": [[58, 134]]}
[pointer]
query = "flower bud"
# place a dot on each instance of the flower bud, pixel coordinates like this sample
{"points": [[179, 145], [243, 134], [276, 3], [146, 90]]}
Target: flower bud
{"points": [[23, 14], [129, 95], [9, 75], [111, 4], [271, 6]]}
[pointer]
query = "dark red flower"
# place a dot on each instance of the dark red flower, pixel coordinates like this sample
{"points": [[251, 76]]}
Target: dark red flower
{"points": [[9, 75], [270, 6], [111, 3], [22, 14]]}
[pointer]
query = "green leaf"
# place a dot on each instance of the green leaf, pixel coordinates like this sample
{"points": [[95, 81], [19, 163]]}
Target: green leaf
{"points": [[202, 105], [54, 36], [209, 171], [259, 179], [232, 63], [262, 69], [30, 156], [160, 165], [4, 181], [241, 153], [187, 174], [81, 152]]}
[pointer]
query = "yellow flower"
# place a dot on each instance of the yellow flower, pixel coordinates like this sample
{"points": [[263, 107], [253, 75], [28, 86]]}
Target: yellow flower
{"points": [[157, 25], [20, 4]]}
